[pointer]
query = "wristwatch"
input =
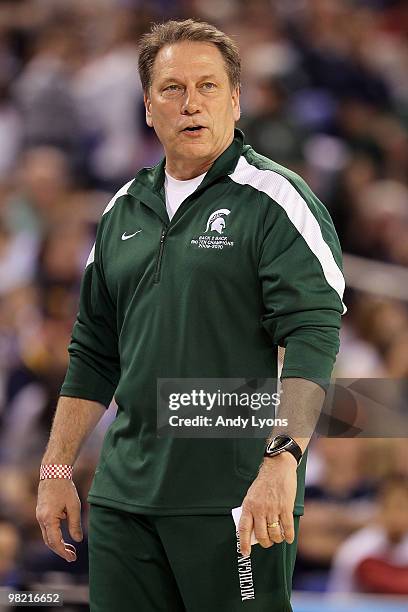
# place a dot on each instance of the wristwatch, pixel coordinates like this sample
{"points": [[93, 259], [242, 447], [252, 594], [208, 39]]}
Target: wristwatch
{"points": [[282, 444]]}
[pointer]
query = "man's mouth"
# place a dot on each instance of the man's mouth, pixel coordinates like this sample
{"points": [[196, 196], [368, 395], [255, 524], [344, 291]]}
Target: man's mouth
{"points": [[193, 128]]}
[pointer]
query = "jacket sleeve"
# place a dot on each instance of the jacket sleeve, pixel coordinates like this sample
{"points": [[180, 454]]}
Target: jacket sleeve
{"points": [[302, 283], [94, 366]]}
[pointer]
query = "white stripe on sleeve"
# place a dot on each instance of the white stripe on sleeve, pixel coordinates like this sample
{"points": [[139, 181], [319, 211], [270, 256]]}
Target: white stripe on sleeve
{"points": [[283, 193]]}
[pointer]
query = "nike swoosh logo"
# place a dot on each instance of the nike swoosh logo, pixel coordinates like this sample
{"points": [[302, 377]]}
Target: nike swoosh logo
{"points": [[127, 236]]}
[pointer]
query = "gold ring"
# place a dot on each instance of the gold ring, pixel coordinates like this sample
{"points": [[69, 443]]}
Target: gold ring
{"points": [[276, 524]]}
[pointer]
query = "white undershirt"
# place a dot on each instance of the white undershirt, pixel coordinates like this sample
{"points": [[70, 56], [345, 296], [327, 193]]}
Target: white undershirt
{"points": [[177, 191]]}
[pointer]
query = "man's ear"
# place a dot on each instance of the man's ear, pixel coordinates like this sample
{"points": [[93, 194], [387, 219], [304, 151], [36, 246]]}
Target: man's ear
{"points": [[236, 108], [148, 107]]}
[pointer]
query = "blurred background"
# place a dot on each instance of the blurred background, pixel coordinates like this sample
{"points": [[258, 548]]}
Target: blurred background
{"points": [[325, 92]]}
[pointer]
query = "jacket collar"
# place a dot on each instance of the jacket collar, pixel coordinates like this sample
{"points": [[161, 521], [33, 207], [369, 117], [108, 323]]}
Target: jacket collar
{"points": [[148, 185]]}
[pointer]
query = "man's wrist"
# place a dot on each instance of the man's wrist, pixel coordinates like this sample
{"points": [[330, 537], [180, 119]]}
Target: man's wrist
{"points": [[284, 459]]}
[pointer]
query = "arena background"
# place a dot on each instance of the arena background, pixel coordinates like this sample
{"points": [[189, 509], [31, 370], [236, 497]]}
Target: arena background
{"points": [[325, 92]]}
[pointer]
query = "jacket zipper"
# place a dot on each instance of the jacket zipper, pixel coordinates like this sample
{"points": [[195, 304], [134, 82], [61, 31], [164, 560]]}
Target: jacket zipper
{"points": [[160, 256]]}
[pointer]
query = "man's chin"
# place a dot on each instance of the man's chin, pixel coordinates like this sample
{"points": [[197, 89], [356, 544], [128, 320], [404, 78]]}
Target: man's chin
{"points": [[195, 149]]}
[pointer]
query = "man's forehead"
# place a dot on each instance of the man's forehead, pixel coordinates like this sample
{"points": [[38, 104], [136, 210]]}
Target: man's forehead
{"points": [[194, 58]]}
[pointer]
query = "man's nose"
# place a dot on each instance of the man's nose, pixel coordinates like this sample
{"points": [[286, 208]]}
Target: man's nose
{"points": [[191, 102]]}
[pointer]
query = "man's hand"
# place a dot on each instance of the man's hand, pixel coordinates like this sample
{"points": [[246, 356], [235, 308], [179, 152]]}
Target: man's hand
{"points": [[58, 500], [270, 499]]}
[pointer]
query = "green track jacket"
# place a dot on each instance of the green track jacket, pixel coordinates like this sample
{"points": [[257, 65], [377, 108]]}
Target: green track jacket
{"points": [[249, 261]]}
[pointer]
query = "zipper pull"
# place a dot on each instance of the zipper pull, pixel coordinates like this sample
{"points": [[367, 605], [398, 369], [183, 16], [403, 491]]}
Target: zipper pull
{"points": [[160, 255]]}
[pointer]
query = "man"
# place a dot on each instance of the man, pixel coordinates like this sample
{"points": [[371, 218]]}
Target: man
{"points": [[170, 291]]}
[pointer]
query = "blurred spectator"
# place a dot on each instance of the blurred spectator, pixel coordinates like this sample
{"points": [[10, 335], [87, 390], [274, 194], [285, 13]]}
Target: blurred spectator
{"points": [[41, 196], [43, 91], [61, 258], [358, 358], [110, 102], [397, 356], [10, 545], [380, 322], [382, 209], [270, 130], [10, 131], [375, 558], [32, 391], [17, 259], [339, 494]]}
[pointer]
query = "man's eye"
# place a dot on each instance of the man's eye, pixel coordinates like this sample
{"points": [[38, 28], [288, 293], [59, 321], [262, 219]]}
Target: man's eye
{"points": [[172, 88], [208, 85]]}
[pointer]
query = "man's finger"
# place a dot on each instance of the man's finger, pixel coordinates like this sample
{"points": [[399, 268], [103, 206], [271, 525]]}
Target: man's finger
{"points": [[288, 526], [275, 530], [74, 524], [245, 529], [56, 542], [261, 531], [44, 534]]}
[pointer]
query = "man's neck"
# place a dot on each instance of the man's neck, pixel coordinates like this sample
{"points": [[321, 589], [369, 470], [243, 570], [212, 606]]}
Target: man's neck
{"points": [[184, 172], [173, 180]]}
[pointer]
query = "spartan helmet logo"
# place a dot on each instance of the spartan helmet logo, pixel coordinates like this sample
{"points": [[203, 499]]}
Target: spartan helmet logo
{"points": [[216, 221]]}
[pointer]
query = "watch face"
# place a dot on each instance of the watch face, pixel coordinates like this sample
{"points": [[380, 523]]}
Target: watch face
{"points": [[281, 444], [277, 443]]}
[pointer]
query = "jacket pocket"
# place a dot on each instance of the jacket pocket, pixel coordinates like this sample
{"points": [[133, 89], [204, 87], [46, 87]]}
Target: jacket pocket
{"points": [[248, 457]]}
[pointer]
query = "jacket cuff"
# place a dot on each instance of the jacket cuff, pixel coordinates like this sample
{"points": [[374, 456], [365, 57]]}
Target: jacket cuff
{"points": [[84, 382], [311, 358]]}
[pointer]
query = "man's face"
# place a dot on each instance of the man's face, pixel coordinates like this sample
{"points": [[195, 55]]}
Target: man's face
{"points": [[190, 88]]}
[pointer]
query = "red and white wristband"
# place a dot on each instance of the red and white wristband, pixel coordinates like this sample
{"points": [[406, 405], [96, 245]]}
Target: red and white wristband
{"points": [[55, 470]]}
